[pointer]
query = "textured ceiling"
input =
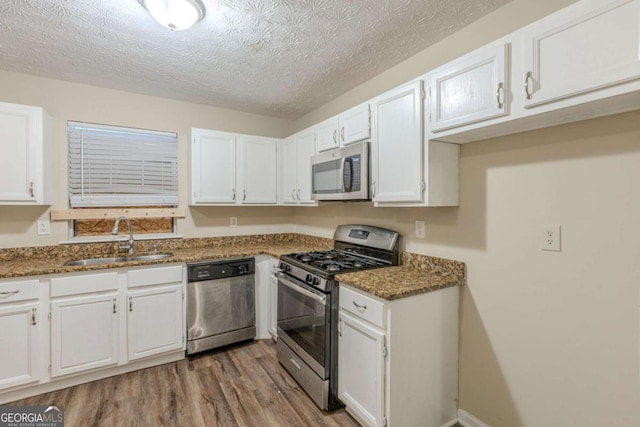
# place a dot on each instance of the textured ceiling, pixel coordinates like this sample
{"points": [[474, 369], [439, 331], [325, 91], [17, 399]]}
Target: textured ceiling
{"points": [[276, 57]]}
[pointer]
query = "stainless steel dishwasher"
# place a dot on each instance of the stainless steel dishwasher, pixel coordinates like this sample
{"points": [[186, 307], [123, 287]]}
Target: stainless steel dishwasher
{"points": [[220, 303]]}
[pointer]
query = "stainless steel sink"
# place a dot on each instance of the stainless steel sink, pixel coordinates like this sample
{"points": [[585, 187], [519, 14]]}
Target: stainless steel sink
{"points": [[150, 257], [111, 260]]}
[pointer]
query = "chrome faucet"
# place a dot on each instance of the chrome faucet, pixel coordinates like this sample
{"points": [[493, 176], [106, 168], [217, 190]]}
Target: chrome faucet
{"points": [[114, 231]]}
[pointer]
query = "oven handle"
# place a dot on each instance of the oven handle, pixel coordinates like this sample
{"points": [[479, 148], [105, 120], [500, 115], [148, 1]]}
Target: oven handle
{"points": [[322, 299]]}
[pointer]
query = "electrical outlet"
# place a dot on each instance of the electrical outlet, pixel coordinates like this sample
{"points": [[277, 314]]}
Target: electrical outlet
{"points": [[233, 221], [550, 238], [44, 227], [420, 229]]}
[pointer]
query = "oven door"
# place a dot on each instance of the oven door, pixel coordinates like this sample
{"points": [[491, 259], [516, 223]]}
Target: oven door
{"points": [[303, 322]]}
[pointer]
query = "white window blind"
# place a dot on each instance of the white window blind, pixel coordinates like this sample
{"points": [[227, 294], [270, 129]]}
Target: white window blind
{"points": [[116, 166]]}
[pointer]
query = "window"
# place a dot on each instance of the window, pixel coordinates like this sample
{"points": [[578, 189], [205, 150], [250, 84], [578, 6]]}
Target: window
{"points": [[118, 167]]}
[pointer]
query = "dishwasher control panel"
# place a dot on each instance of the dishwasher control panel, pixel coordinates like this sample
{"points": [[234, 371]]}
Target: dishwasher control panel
{"points": [[212, 270]]}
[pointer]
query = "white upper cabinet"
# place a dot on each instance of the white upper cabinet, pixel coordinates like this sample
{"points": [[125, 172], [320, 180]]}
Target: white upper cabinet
{"points": [[406, 170], [470, 89], [351, 126], [354, 125], [231, 169], [257, 170], [587, 47], [25, 144], [213, 167], [397, 145], [327, 135], [296, 168]]}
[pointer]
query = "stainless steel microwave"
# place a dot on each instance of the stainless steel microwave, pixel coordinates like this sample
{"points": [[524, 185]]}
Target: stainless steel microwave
{"points": [[341, 174]]}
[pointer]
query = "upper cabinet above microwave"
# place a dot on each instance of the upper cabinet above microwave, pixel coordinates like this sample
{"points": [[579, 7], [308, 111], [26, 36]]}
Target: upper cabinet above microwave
{"points": [[351, 126], [25, 163]]}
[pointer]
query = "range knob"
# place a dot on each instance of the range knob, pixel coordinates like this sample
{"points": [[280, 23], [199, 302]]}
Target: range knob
{"points": [[316, 281], [308, 279]]}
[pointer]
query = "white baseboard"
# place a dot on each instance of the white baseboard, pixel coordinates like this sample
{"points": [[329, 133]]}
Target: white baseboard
{"points": [[450, 423], [468, 420]]}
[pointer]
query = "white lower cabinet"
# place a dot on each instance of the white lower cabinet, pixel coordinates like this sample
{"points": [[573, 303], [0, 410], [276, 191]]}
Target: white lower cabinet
{"points": [[155, 321], [84, 333], [361, 362], [398, 360], [273, 304], [20, 351]]}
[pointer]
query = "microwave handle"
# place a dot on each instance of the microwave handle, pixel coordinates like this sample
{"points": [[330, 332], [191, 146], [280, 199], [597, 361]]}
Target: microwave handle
{"points": [[347, 186]]}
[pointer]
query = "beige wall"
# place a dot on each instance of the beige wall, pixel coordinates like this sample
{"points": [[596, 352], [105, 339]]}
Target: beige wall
{"points": [[547, 339], [71, 101]]}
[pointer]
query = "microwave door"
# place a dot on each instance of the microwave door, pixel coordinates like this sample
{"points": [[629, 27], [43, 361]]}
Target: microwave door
{"points": [[326, 177]]}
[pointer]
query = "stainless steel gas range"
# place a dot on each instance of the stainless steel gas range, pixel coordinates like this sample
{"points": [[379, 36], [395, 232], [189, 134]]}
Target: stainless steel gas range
{"points": [[308, 305]]}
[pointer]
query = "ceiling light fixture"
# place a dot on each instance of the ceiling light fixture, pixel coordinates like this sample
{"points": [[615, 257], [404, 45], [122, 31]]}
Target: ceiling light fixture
{"points": [[176, 15]]}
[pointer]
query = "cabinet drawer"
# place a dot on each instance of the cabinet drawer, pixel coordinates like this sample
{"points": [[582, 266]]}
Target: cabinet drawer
{"points": [[362, 306], [154, 276], [19, 290], [84, 284]]}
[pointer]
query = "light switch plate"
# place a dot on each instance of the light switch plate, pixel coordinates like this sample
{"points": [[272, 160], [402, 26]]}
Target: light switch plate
{"points": [[233, 221], [420, 233], [44, 227]]}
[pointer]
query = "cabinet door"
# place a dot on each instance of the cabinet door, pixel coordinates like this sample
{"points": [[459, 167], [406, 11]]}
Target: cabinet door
{"points": [[361, 369], [397, 145], [326, 135], [84, 334], [19, 348], [213, 168], [588, 46], [305, 149], [354, 125], [155, 321], [258, 170], [289, 170], [470, 89], [21, 140]]}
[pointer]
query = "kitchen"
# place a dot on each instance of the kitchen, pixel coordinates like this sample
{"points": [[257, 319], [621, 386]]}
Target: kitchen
{"points": [[545, 338]]}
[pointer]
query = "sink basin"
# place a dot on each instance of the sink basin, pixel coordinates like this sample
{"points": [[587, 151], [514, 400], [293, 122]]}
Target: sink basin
{"points": [[149, 257], [110, 260], [95, 261]]}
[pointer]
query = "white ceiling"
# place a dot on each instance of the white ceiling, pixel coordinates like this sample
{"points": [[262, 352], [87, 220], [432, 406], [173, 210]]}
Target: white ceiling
{"points": [[276, 57]]}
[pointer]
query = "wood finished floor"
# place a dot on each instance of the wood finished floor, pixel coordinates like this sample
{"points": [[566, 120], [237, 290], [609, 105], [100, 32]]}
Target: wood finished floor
{"points": [[242, 386]]}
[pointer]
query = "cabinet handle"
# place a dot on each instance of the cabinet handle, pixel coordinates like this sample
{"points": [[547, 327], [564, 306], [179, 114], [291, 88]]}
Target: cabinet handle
{"points": [[31, 193], [244, 195], [6, 294], [233, 190], [526, 84], [335, 140], [114, 306], [340, 327], [500, 89], [298, 194], [360, 307], [33, 317], [373, 189], [130, 303], [342, 133], [293, 194]]}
